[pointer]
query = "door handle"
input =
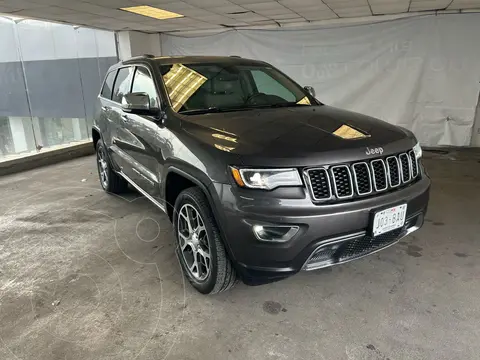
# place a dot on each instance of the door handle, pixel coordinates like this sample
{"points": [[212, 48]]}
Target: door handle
{"points": [[125, 118], [105, 108]]}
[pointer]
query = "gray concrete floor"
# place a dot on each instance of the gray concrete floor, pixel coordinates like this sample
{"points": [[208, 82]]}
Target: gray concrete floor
{"points": [[86, 275]]}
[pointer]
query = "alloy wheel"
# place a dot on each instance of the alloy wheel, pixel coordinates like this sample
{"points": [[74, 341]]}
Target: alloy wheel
{"points": [[193, 242], [102, 167]]}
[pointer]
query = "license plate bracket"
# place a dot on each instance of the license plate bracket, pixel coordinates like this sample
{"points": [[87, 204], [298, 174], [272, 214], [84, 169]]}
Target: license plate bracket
{"points": [[387, 219]]}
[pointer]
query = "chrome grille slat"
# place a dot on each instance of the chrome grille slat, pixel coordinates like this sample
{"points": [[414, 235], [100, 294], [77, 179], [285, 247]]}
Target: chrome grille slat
{"points": [[319, 184], [393, 171], [342, 181], [414, 163], [379, 174], [405, 167], [359, 178], [345, 181]]}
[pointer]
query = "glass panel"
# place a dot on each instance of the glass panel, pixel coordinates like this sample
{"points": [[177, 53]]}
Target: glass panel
{"points": [[267, 85], [228, 86], [107, 87], [142, 82], [122, 83], [51, 95]]}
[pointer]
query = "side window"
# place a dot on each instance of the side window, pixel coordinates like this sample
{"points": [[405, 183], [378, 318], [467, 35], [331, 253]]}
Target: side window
{"points": [[143, 82], [268, 85], [122, 83], [108, 85]]}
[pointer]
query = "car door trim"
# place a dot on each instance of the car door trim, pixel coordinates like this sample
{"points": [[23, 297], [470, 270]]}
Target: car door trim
{"points": [[136, 166], [143, 192]]}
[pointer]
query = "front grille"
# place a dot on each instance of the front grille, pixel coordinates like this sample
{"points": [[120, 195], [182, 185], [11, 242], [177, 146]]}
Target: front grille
{"points": [[341, 182], [413, 160], [361, 175], [393, 169], [405, 166], [319, 184]]}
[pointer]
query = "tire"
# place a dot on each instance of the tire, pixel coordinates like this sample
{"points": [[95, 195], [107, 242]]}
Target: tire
{"points": [[112, 182], [221, 276]]}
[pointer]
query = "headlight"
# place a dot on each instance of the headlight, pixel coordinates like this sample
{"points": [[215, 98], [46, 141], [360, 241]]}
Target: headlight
{"points": [[267, 179], [418, 151]]}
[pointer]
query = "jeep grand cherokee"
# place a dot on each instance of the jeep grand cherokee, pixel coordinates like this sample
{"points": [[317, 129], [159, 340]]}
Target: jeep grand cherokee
{"points": [[259, 178]]}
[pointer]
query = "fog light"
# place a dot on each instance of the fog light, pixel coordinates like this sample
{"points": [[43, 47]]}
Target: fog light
{"points": [[272, 233]]}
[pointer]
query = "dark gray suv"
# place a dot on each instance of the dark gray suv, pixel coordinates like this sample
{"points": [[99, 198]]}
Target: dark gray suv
{"points": [[259, 178]]}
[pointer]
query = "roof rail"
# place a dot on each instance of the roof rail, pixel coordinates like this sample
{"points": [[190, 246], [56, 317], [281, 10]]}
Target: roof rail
{"points": [[144, 56]]}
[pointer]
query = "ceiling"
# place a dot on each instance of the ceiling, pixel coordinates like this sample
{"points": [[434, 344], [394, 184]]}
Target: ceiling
{"points": [[219, 14]]}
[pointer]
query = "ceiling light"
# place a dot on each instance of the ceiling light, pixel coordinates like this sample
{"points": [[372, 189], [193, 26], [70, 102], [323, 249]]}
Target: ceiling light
{"points": [[152, 12]]}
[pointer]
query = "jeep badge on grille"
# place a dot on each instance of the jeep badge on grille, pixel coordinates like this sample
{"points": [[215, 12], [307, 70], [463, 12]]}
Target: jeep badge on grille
{"points": [[373, 151]]}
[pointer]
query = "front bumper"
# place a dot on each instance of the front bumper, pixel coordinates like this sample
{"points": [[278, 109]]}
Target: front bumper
{"points": [[345, 223]]}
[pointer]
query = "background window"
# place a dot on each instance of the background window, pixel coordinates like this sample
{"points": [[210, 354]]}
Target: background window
{"points": [[268, 85], [142, 82], [107, 87], [122, 83]]}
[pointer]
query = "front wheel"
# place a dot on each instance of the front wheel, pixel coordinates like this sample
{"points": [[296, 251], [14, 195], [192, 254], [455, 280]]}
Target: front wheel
{"points": [[200, 249]]}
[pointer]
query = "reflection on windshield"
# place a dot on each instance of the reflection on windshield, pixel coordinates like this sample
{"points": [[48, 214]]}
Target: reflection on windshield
{"points": [[229, 86], [304, 101], [181, 83]]}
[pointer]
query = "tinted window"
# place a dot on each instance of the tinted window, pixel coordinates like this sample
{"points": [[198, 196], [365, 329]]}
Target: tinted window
{"points": [[142, 82], [268, 85], [122, 83], [108, 85]]}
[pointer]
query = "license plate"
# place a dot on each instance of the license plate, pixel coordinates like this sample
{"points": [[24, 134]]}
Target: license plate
{"points": [[389, 219]]}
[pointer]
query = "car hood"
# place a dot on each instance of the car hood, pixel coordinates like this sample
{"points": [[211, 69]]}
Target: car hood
{"points": [[300, 133]]}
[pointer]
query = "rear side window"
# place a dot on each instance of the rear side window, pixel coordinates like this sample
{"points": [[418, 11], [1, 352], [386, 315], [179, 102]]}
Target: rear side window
{"points": [[108, 85], [122, 83]]}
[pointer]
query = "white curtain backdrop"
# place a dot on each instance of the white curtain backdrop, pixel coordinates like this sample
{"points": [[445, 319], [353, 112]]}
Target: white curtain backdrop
{"points": [[421, 73]]}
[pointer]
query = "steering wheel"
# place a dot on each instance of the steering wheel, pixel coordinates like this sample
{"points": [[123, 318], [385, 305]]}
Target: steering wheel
{"points": [[249, 100]]}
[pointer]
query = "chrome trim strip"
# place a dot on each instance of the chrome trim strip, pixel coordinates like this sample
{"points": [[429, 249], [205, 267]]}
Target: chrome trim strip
{"points": [[375, 176], [135, 164], [347, 238], [411, 154], [332, 241], [356, 180], [143, 192], [306, 175], [398, 169], [409, 167], [143, 176], [335, 181]]}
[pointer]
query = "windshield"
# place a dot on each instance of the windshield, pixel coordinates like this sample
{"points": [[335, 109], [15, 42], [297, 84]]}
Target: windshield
{"points": [[197, 88]]}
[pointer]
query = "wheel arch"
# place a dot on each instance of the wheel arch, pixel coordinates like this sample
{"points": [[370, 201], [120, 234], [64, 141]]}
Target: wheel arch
{"points": [[196, 182]]}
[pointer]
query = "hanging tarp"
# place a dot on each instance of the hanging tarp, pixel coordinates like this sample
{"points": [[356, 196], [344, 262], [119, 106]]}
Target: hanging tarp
{"points": [[421, 73]]}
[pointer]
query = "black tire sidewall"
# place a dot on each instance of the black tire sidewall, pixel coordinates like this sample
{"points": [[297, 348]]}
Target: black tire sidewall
{"points": [[208, 284]]}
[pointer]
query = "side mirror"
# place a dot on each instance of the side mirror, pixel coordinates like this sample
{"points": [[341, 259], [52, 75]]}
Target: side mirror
{"points": [[136, 103], [310, 90]]}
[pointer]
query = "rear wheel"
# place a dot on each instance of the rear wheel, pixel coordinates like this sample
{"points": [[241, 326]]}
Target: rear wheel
{"points": [[199, 248], [109, 179]]}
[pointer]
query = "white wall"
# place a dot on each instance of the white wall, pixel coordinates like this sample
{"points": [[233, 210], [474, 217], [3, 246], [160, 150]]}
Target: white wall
{"points": [[421, 73], [135, 43]]}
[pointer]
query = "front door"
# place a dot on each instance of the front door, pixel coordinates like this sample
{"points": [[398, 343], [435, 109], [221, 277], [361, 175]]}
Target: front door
{"points": [[145, 134]]}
